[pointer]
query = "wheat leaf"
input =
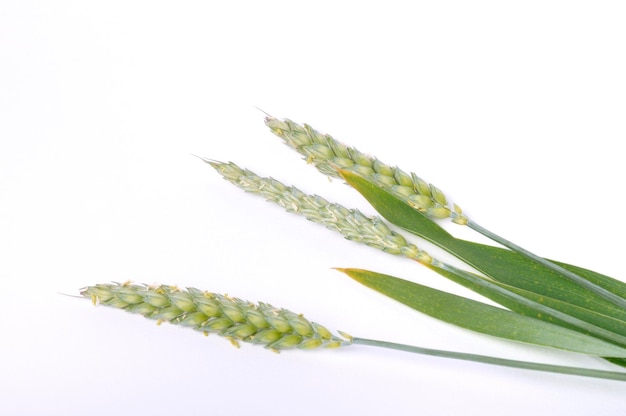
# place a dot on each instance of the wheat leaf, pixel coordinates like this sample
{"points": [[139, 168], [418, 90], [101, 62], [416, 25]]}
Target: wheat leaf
{"points": [[480, 317], [500, 264]]}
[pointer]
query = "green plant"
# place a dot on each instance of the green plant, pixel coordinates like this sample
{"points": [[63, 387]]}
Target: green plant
{"points": [[546, 302]]}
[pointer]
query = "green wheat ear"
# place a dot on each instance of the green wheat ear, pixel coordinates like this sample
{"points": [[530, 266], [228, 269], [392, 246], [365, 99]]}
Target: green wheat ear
{"points": [[351, 223], [328, 155], [235, 319]]}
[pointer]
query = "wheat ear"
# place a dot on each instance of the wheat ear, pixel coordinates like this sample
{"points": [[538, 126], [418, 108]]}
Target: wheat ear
{"points": [[353, 224], [328, 155], [235, 319]]}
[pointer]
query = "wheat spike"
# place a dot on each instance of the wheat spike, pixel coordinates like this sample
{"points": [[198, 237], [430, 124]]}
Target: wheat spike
{"points": [[235, 319], [328, 155], [353, 224]]}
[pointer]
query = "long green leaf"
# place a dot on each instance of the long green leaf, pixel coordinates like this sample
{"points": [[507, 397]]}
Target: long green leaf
{"points": [[578, 280], [483, 318], [537, 306], [516, 270], [500, 264]]}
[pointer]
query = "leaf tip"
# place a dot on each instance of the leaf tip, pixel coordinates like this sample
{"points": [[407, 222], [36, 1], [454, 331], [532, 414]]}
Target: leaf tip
{"points": [[351, 272], [345, 174]]}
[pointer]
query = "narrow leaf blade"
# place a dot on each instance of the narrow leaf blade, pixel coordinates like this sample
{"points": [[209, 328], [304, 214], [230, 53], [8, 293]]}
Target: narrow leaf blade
{"points": [[483, 318], [500, 264]]}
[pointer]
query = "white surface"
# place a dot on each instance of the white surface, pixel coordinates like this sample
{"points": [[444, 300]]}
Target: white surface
{"points": [[515, 111]]}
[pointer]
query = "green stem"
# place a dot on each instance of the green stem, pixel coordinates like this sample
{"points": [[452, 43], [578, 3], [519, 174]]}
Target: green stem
{"points": [[577, 279], [559, 369]]}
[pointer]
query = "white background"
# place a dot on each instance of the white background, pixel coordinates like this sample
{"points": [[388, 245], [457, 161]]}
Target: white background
{"points": [[514, 109]]}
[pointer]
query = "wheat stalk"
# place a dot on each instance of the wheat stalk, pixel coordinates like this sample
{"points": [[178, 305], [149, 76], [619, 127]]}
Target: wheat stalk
{"points": [[353, 224], [235, 319], [328, 155]]}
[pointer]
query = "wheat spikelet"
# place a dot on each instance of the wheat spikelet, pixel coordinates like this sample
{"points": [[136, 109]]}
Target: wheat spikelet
{"points": [[238, 320], [353, 224], [328, 155]]}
